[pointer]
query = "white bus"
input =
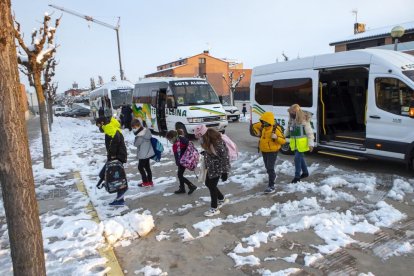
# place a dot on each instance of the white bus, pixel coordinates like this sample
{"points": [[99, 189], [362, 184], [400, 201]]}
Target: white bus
{"points": [[361, 101], [164, 104], [108, 99]]}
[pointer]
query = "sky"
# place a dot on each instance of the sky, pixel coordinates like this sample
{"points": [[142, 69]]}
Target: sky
{"points": [[159, 31]]}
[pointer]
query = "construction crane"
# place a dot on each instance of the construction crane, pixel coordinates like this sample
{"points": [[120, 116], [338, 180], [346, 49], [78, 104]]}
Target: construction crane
{"points": [[91, 19]]}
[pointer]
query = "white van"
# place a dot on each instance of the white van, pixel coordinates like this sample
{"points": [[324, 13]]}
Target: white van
{"points": [[361, 101], [164, 104]]}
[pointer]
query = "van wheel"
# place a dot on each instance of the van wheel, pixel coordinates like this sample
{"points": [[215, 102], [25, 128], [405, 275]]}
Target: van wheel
{"points": [[182, 127], [285, 149]]}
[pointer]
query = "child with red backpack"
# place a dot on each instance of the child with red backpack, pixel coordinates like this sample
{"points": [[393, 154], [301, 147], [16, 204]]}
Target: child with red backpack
{"points": [[180, 145]]}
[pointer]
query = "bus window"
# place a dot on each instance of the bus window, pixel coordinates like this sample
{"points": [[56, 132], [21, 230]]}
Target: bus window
{"points": [[292, 91], [121, 97], [263, 93], [154, 97], [170, 99], [189, 93], [393, 95]]}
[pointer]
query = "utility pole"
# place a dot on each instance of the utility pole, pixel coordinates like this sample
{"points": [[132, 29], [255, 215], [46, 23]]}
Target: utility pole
{"points": [[91, 19]]}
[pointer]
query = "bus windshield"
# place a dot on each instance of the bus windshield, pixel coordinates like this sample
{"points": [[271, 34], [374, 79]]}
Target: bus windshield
{"points": [[410, 74], [194, 92], [121, 97]]}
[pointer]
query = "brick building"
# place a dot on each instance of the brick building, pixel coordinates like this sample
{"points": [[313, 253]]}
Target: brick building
{"points": [[206, 66], [379, 38]]}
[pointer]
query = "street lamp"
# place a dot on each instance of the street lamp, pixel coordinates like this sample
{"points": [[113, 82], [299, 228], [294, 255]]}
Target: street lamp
{"points": [[31, 100], [396, 33]]}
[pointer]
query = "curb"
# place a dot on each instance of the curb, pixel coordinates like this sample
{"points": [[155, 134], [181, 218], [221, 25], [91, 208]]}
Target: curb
{"points": [[105, 252]]}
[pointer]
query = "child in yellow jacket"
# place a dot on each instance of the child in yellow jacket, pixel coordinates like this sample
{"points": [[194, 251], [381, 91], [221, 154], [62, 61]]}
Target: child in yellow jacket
{"points": [[271, 139]]}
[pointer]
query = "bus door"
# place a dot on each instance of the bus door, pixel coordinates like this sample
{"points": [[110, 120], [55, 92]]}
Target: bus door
{"points": [[170, 109], [161, 105]]}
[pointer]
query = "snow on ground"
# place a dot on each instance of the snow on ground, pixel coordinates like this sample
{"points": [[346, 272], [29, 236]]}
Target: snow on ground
{"points": [[71, 237]]}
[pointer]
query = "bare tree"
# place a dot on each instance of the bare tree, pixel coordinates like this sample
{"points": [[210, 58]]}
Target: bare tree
{"points": [[100, 81], [93, 85], [232, 84], [16, 175], [33, 62], [49, 87]]}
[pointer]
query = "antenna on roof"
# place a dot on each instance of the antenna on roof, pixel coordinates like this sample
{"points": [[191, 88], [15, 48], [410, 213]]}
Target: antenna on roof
{"points": [[355, 12]]}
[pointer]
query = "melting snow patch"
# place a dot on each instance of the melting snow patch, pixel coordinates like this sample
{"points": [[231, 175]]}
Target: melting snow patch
{"points": [[399, 189], [207, 225], [151, 271], [385, 216], [241, 260]]}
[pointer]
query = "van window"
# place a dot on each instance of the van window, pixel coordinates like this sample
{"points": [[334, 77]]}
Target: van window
{"points": [[263, 93], [393, 95], [292, 91]]}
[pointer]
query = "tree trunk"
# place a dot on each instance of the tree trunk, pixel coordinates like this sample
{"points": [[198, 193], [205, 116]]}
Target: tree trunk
{"points": [[47, 155], [16, 175], [50, 113]]}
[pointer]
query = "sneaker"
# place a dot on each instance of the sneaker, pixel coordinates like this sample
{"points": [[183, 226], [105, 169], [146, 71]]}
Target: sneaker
{"points": [[117, 203], [221, 202], [270, 190], [295, 180], [304, 175], [146, 184], [192, 189], [212, 212]]}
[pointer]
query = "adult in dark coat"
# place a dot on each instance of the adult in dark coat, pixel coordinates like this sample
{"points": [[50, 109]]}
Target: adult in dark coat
{"points": [[126, 116]]}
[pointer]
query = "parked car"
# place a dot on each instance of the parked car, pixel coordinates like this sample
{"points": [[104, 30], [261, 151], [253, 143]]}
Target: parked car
{"points": [[59, 110], [77, 112], [232, 112]]}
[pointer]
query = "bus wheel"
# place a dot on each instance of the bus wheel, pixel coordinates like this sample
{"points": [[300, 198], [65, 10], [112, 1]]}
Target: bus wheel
{"points": [[285, 149], [182, 127]]}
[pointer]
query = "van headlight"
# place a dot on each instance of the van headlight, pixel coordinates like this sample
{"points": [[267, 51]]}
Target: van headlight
{"points": [[195, 120], [223, 117]]}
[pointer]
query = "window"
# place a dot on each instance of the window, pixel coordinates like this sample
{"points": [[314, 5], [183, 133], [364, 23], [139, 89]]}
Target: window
{"points": [[154, 93], [142, 94], [393, 95], [292, 91], [263, 93], [202, 60], [194, 93], [409, 74]]}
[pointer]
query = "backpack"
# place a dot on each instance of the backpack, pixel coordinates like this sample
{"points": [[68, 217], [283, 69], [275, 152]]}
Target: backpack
{"points": [[158, 149], [115, 177], [189, 159], [231, 147]]}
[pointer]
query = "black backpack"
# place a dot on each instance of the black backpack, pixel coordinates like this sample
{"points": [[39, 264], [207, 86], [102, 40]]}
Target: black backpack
{"points": [[115, 177]]}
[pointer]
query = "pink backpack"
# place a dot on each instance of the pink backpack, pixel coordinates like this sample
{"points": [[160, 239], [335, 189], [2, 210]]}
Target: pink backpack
{"points": [[231, 147], [189, 160]]}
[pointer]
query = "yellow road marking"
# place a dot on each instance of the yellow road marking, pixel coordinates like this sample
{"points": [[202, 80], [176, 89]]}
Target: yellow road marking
{"points": [[107, 251], [339, 155]]}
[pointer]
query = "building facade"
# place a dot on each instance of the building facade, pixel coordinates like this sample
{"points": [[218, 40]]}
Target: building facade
{"points": [[211, 68], [379, 38]]}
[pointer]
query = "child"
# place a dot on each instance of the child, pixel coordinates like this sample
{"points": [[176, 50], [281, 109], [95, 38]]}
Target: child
{"points": [[244, 110], [271, 139], [144, 152], [217, 163], [301, 139], [115, 148], [180, 144]]}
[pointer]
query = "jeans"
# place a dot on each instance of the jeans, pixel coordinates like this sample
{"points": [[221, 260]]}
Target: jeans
{"points": [[269, 159], [145, 170], [300, 164], [215, 193], [182, 179]]}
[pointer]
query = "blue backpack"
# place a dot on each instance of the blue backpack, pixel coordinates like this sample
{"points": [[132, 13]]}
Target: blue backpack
{"points": [[158, 149]]}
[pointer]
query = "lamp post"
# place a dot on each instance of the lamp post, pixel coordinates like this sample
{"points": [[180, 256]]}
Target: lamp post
{"points": [[396, 33], [31, 100]]}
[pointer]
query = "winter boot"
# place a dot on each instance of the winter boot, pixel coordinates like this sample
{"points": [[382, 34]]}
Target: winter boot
{"points": [[191, 188], [295, 180], [181, 190], [304, 175]]}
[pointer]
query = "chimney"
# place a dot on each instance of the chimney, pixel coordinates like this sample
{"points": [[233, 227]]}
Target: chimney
{"points": [[206, 52], [359, 28]]}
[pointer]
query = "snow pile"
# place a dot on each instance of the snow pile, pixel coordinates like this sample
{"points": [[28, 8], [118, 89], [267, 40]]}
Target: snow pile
{"points": [[207, 225], [241, 260], [399, 189], [128, 226], [385, 215]]}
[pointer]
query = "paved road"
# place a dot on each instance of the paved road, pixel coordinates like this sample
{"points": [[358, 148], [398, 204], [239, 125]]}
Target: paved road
{"points": [[239, 133]]}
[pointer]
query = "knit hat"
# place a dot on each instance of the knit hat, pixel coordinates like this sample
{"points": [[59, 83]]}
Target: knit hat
{"points": [[199, 131]]}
